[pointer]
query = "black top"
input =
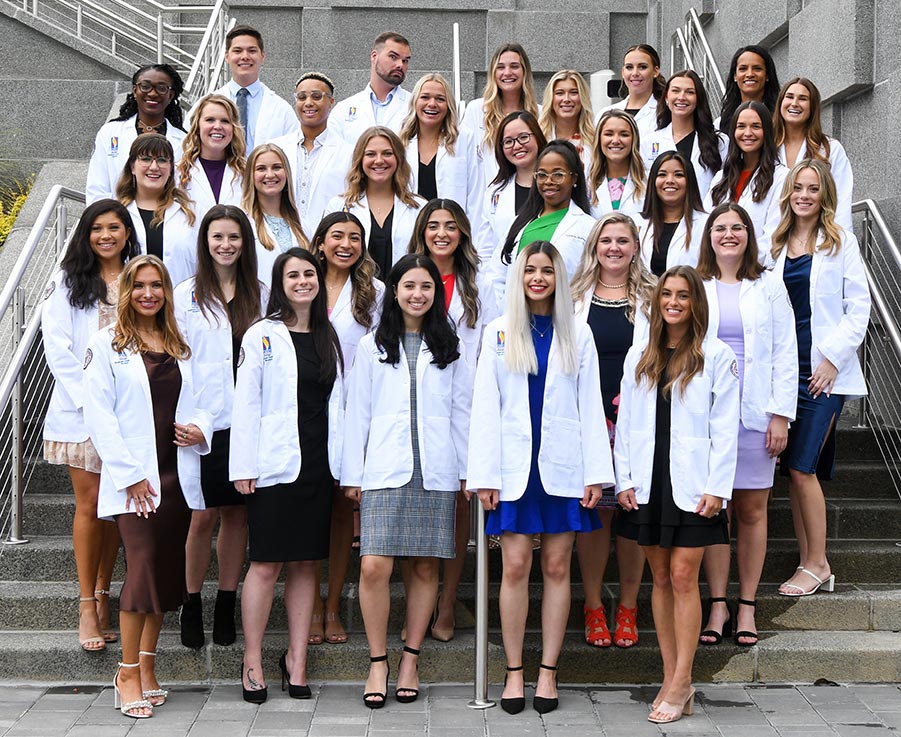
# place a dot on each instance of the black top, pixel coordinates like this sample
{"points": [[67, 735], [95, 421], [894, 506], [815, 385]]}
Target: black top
{"points": [[428, 186], [521, 193], [154, 234], [661, 248], [685, 146], [612, 337], [633, 111], [312, 408], [380, 247]]}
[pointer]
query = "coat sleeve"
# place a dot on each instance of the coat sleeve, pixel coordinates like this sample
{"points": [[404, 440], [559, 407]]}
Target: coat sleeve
{"points": [[841, 345], [621, 450], [461, 408], [596, 457], [844, 184], [97, 186], [247, 410], [196, 415], [485, 442], [723, 423], [58, 329], [357, 415], [784, 394]]}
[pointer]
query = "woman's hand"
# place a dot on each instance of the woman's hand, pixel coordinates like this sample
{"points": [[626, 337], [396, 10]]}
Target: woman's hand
{"points": [[188, 435], [489, 498], [626, 500], [246, 486], [354, 493], [592, 496], [709, 506], [823, 378], [777, 435], [141, 494]]}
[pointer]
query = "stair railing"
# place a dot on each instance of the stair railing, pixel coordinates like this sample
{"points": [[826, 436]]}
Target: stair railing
{"points": [[689, 50], [26, 381]]}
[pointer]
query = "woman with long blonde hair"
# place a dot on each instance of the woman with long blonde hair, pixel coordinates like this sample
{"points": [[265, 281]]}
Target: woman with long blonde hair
{"points": [[617, 176], [566, 112]]}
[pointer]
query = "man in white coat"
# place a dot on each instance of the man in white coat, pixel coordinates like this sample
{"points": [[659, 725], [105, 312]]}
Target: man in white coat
{"points": [[382, 101], [319, 157], [263, 114]]}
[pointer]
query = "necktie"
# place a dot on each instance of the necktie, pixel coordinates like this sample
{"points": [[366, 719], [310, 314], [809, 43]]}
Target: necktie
{"points": [[242, 108]]}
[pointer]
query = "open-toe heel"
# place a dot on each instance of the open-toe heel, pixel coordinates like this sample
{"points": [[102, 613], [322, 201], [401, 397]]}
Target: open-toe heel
{"points": [[745, 634], [154, 693], [517, 703], [128, 707], [411, 693], [542, 704], [717, 637], [377, 699]]}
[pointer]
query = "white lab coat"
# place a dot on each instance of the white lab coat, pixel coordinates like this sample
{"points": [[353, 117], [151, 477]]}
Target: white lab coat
{"points": [[276, 116], [471, 338], [265, 442], [841, 172], [574, 451], [662, 140], [677, 254], [265, 257], [111, 147], [354, 114], [764, 214], [327, 174], [349, 331], [569, 239], [378, 446], [403, 221], [645, 118], [771, 349], [840, 312], [179, 240], [497, 215], [704, 436], [118, 412], [631, 203], [457, 175], [66, 330], [200, 191]]}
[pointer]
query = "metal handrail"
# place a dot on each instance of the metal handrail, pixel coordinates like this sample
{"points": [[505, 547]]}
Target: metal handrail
{"points": [[698, 56], [207, 70]]}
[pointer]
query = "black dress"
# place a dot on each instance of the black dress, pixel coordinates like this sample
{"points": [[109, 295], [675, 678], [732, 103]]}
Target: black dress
{"points": [[660, 521], [289, 522]]}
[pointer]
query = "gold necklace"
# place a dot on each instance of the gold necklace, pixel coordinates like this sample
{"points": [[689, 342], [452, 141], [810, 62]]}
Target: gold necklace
{"points": [[612, 286], [534, 327]]}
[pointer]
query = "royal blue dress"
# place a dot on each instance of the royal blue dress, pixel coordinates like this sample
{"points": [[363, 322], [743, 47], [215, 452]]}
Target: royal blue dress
{"points": [[536, 510]]}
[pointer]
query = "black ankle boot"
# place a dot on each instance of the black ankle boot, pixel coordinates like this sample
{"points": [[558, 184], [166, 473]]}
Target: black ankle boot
{"points": [[224, 618], [191, 620]]}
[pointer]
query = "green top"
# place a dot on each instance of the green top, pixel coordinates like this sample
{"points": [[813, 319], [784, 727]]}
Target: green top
{"points": [[541, 228]]}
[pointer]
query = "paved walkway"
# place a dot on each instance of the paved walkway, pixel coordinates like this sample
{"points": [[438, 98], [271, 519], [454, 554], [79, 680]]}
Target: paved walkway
{"points": [[336, 711]]}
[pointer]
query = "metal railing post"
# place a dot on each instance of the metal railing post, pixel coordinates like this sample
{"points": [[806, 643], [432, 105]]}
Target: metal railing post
{"points": [[78, 21], [17, 412], [865, 248], [159, 38], [480, 699]]}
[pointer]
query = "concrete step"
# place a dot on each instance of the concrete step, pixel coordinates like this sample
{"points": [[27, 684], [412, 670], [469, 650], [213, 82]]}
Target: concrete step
{"points": [[862, 657], [52, 605]]}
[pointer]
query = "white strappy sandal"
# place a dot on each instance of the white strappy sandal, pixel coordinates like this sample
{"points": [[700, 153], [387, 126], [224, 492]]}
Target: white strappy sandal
{"points": [[130, 706], [154, 693]]}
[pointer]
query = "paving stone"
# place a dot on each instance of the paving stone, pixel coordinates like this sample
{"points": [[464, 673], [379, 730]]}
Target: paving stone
{"points": [[864, 730], [93, 730], [878, 697]]}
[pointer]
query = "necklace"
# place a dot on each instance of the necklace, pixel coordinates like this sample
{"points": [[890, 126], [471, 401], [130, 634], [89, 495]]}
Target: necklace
{"points": [[147, 128], [534, 327], [612, 286]]}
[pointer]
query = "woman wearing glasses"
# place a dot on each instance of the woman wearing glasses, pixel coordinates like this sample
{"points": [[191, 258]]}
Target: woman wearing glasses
{"points": [[151, 107]]}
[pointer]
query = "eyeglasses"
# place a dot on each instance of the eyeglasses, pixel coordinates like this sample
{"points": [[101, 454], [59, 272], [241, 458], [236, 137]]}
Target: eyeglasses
{"points": [[735, 228], [522, 139], [160, 160], [556, 177], [315, 96], [161, 89]]}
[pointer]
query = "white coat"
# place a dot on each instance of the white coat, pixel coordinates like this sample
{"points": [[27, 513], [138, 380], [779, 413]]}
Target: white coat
{"points": [[201, 193], [677, 254], [704, 436], [327, 174], [349, 331], [179, 240], [276, 116], [354, 114], [118, 413], [841, 172], [764, 214], [471, 338], [839, 312], [66, 330], [771, 349], [265, 443], [378, 446], [497, 215], [631, 203], [403, 222], [265, 257], [645, 118], [111, 147], [210, 338], [457, 175], [662, 140], [569, 238], [575, 450]]}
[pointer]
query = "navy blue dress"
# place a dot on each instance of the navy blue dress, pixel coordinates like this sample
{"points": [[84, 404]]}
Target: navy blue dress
{"points": [[536, 510]]}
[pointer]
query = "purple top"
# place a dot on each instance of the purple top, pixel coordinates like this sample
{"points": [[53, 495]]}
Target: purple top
{"points": [[731, 330], [215, 171]]}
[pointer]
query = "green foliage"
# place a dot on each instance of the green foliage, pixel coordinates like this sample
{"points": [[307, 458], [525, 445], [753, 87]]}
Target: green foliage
{"points": [[12, 199]]}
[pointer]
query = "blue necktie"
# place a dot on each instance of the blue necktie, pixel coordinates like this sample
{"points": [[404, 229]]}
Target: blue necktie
{"points": [[242, 108]]}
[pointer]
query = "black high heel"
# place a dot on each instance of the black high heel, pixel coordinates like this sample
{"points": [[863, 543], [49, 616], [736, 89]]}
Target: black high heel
{"points": [[191, 622], [224, 632], [541, 704], [746, 634], [295, 692], [255, 696], [727, 625], [517, 703], [413, 692], [370, 696]]}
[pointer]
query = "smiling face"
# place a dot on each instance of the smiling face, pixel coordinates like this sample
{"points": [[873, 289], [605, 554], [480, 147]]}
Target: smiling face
{"points": [[805, 199], [379, 162], [431, 105], [300, 283], [729, 238], [342, 246], [749, 132], [152, 174], [671, 183], [675, 301], [522, 155], [442, 235], [539, 281], [269, 174], [682, 97], [152, 94], [224, 241], [108, 237], [555, 181], [615, 249], [244, 58], [147, 293], [616, 140], [216, 131], [750, 76], [639, 72], [415, 293], [310, 112], [795, 108], [567, 103], [390, 64], [509, 73]]}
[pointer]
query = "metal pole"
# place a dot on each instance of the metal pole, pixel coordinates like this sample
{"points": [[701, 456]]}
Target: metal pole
{"points": [[159, 38], [480, 699], [17, 411], [78, 21], [457, 64], [865, 348]]}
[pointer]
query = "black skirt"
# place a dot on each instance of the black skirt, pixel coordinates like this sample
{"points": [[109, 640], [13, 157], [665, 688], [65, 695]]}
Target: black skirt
{"points": [[218, 491]]}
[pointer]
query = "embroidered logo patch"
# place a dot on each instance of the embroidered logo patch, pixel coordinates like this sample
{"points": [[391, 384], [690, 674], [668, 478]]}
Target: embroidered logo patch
{"points": [[734, 369], [114, 146], [240, 357], [500, 344], [267, 348], [88, 357], [51, 287]]}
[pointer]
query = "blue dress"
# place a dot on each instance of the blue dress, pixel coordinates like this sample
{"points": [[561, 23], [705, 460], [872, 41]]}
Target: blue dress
{"points": [[536, 510]]}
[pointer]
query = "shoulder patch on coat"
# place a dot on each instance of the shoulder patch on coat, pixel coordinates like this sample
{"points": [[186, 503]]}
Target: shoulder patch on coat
{"points": [[51, 288], [240, 356], [734, 368], [88, 357]]}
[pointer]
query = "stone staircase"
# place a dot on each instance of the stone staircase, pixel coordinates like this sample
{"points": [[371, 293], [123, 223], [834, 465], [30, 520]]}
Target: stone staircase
{"points": [[849, 635]]}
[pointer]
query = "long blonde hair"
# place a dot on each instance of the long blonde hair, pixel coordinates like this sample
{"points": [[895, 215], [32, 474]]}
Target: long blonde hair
{"points": [[598, 173], [126, 334], [237, 148], [688, 357], [356, 177], [449, 128], [831, 231], [519, 352], [640, 282], [548, 117], [287, 205], [493, 105]]}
